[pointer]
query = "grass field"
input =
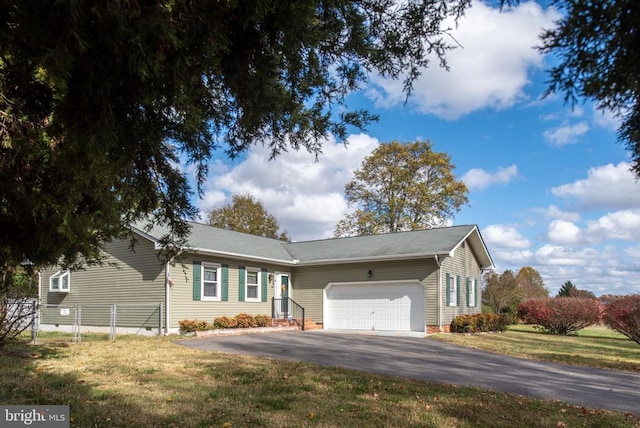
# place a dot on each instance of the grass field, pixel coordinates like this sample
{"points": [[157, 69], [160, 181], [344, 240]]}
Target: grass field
{"points": [[594, 346], [152, 382]]}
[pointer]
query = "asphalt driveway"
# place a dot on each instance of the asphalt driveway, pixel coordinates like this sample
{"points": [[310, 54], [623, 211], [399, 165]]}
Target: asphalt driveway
{"points": [[433, 361]]}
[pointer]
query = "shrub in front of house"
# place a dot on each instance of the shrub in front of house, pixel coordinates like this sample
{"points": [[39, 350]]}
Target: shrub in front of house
{"points": [[479, 323], [562, 315], [224, 322], [263, 320], [623, 316], [189, 326], [245, 321]]}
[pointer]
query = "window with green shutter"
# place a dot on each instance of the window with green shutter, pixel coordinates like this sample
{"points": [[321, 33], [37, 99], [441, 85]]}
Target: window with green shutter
{"points": [[197, 281], [241, 282], [263, 291], [225, 283]]}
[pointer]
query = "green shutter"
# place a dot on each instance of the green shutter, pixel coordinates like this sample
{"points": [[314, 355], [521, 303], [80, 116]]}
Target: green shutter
{"points": [[241, 288], [197, 283], [448, 292], [263, 292], [459, 284], [468, 292], [225, 283]]}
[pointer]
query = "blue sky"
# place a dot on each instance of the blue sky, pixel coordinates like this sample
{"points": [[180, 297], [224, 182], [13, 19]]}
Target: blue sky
{"points": [[549, 186]]}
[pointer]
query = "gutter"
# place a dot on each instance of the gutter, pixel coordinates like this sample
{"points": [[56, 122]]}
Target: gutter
{"points": [[439, 291]]}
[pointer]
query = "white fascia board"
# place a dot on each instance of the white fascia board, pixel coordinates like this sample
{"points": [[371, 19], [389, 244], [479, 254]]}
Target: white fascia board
{"points": [[370, 259], [478, 239]]}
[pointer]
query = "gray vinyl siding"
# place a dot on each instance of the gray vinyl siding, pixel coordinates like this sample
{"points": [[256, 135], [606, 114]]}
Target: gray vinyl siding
{"points": [[465, 265], [137, 277], [309, 282], [183, 306]]}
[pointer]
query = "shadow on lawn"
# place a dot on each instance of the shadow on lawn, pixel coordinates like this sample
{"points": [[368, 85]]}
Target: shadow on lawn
{"points": [[27, 380]]}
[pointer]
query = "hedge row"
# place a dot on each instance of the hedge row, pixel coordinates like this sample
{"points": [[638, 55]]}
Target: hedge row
{"points": [[239, 321]]}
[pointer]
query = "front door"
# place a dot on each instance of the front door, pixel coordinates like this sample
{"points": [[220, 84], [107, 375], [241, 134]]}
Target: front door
{"points": [[282, 291]]}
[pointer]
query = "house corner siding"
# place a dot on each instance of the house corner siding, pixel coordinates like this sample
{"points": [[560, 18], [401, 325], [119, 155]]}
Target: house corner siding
{"points": [[463, 265], [124, 277]]}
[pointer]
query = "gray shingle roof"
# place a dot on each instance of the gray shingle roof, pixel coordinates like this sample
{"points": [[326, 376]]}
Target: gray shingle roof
{"points": [[392, 245], [420, 243]]}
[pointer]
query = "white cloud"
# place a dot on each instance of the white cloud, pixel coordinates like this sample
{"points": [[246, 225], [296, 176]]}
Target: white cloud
{"points": [[620, 225], [477, 178], [564, 232], [566, 134], [489, 70], [606, 119], [503, 236], [606, 187], [553, 212], [307, 197]]}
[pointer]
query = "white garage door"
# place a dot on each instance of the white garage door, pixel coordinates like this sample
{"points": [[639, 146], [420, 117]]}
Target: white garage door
{"points": [[379, 306]]}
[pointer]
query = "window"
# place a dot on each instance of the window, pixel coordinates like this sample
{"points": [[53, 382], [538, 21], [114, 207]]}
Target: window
{"points": [[210, 282], [60, 282], [471, 292], [452, 290], [253, 284]]}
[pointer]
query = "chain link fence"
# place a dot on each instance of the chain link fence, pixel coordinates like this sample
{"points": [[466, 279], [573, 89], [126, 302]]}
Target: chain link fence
{"points": [[95, 321]]}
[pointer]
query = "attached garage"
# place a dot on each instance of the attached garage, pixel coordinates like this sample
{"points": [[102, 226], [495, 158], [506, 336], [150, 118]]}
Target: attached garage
{"points": [[398, 305]]}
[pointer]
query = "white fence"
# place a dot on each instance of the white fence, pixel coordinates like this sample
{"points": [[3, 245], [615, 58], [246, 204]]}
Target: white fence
{"points": [[113, 319]]}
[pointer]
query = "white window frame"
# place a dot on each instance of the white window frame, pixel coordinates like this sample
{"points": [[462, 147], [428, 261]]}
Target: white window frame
{"points": [[59, 279], [218, 268], [453, 290], [473, 283], [258, 284]]}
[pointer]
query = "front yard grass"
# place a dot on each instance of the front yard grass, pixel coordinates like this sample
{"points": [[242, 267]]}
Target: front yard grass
{"points": [[152, 382], [596, 346]]}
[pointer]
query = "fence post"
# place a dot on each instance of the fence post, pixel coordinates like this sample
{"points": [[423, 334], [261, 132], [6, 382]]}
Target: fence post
{"points": [[78, 322], [114, 316], [34, 320]]}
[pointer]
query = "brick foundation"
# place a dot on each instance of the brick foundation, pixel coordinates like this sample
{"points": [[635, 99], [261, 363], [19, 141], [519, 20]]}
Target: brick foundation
{"points": [[432, 329]]}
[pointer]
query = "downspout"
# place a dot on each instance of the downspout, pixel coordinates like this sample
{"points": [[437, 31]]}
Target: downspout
{"points": [[439, 288], [167, 291]]}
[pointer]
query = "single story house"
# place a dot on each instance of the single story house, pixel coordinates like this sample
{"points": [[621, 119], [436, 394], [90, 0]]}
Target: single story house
{"points": [[413, 281]]}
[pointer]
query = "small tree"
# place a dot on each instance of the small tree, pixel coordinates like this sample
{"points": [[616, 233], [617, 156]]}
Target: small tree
{"points": [[623, 315], [501, 292], [566, 289]]}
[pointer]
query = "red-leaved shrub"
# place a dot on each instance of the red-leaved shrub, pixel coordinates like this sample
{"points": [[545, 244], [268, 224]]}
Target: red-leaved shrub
{"points": [[533, 311], [245, 321], [562, 315], [623, 316]]}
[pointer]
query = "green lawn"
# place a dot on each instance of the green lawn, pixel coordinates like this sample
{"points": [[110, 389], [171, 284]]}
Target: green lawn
{"points": [[152, 382], [594, 346]]}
